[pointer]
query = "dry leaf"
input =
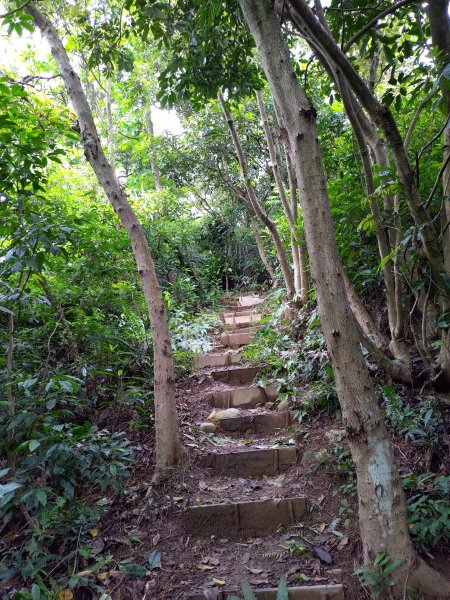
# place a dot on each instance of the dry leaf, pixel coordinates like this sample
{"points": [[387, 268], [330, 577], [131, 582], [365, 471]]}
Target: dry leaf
{"points": [[93, 532], [102, 576], [156, 539], [65, 595], [245, 558], [204, 567], [218, 581], [255, 570]]}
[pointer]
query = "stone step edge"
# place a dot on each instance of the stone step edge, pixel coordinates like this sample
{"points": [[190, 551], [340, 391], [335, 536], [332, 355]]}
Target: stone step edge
{"points": [[307, 592], [246, 518], [252, 462]]}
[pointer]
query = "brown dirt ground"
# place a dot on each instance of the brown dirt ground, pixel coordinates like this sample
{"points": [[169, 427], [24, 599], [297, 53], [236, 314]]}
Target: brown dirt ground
{"points": [[148, 518]]}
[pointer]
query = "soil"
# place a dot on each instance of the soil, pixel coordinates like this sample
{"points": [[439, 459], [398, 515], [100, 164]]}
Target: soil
{"points": [[148, 521], [324, 548]]}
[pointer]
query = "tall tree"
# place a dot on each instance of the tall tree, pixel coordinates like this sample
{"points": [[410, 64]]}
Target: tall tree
{"points": [[382, 505], [168, 447]]}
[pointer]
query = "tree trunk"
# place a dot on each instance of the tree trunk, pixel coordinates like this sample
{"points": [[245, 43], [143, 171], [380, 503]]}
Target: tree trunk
{"points": [[153, 160], [289, 210], [259, 211], [262, 251], [382, 505], [387, 237], [10, 397], [168, 447], [440, 35], [383, 118], [112, 159], [61, 316]]}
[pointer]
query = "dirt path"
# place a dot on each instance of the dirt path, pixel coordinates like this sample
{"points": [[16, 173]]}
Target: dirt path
{"points": [[247, 505]]}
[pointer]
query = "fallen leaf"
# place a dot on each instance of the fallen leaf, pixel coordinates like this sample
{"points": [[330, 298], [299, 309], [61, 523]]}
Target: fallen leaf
{"points": [[245, 558], [156, 539], [323, 555], [154, 560], [178, 498], [249, 442], [342, 543], [93, 532], [204, 567], [98, 545], [255, 570], [219, 581], [65, 595], [102, 576], [322, 527]]}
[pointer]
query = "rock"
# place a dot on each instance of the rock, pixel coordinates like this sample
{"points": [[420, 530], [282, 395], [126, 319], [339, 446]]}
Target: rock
{"points": [[283, 406], [315, 457], [335, 436], [208, 427], [309, 458], [269, 405], [227, 413]]}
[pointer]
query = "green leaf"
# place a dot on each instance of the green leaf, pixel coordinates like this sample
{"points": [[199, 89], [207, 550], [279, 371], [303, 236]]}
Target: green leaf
{"points": [[41, 495], [33, 445]]}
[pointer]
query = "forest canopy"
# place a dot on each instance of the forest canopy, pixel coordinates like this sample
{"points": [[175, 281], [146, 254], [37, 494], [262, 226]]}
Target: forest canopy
{"points": [[161, 165]]}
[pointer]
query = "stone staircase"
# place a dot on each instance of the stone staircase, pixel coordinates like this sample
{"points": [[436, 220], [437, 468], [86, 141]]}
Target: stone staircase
{"points": [[242, 411]]}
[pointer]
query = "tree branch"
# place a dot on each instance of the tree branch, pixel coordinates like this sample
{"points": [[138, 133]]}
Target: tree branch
{"points": [[374, 21]]}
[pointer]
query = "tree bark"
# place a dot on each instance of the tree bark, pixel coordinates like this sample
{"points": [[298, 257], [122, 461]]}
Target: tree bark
{"points": [[383, 118], [111, 157], [73, 345], [262, 251], [10, 396], [440, 35], [290, 210], [168, 447], [258, 209], [382, 505]]}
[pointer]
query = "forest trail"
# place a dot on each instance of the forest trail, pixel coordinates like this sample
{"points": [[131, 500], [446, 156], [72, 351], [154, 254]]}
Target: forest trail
{"points": [[249, 496]]}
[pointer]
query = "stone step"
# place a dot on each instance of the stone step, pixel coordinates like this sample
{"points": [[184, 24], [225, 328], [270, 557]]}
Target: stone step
{"points": [[242, 319], [249, 301], [246, 519], [236, 375], [234, 340], [304, 592], [246, 397], [237, 326], [250, 463], [239, 312], [259, 423], [221, 359]]}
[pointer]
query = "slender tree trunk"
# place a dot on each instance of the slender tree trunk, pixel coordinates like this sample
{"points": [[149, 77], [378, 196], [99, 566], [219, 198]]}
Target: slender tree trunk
{"points": [[289, 210], [382, 505], [387, 237], [61, 316], [10, 396], [383, 118], [259, 211], [440, 34], [262, 251], [168, 447], [111, 157], [153, 160]]}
